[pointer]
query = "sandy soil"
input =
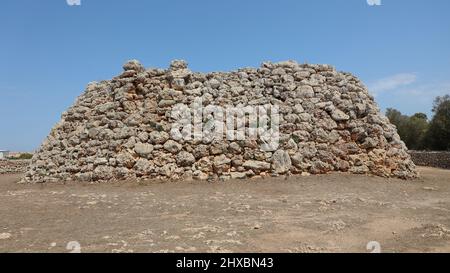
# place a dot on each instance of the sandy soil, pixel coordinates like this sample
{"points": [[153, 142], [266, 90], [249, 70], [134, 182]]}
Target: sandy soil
{"points": [[330, 213]]}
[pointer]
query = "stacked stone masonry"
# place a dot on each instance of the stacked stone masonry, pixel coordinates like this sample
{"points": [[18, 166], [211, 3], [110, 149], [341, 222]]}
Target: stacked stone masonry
{"points": [[13, 166], [121, 128]]}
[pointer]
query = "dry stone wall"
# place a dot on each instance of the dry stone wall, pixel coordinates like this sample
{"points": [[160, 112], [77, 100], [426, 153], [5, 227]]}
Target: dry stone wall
{"points": [[431, 159], [121, 128], [13, 166]]}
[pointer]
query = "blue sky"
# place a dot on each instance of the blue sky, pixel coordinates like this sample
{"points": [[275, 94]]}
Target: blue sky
{"points": [[49, 50]]}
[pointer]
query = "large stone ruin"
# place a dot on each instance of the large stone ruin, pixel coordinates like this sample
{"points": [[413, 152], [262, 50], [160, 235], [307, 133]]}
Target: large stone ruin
{"points": [[122, 128]]}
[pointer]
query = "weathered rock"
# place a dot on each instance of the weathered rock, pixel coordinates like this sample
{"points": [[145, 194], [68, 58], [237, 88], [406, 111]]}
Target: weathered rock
{"points": [[221, 160], [143, 149], [172, 146], [338, 115], [178, 64], [257, 165], [221, 164], [100, 161], [156, 137], [134, 65], [281, 162], [238, 175], [214, 83], [125, 159], [143, 166], [305, 91], [143, 136], [185, 159], [103, 173]]}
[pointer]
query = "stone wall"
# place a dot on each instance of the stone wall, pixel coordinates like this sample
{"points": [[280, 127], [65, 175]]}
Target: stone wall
{"points": [[431, 159], [121, 128], [13, 166]]}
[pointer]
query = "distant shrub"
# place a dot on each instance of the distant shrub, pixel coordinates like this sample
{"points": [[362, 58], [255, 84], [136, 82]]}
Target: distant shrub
{"points": [[25, 156], [412, 129], [418, 133]]}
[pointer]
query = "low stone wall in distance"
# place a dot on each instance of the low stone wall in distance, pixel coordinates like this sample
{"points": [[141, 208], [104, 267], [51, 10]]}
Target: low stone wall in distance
{"points": [[431, 159], [13, 166]]}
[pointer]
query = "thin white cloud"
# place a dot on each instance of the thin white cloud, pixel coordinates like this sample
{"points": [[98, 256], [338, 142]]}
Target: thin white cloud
{"points": [[428, 90], [414, 99], [392, 82]]}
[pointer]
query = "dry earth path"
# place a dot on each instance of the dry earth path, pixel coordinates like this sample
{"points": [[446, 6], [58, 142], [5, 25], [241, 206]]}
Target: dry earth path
{"points": [[327, 213]]}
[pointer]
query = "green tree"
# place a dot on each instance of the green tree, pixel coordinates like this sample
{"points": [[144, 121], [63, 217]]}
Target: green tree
{"points": [[438, 135], [412, 130], [25, 156], [394, 116], [416, 128]]}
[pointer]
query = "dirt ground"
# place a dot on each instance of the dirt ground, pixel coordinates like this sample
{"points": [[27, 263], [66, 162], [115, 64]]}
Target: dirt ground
{"points": [[328, 213]]}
